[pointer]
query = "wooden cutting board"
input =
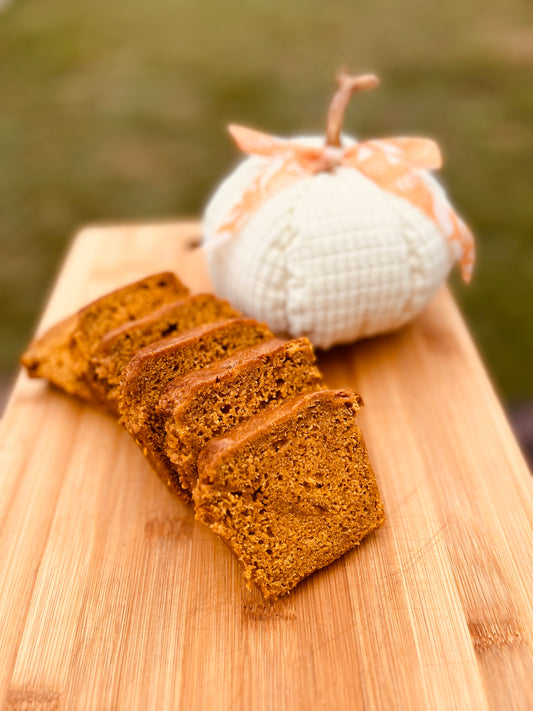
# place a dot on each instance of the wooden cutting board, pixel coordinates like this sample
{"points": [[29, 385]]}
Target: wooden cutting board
{"points": [[112, 597]]}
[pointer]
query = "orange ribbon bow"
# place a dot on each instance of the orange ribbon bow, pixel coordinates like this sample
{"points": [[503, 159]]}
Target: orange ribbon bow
{"points": [[394, 164]]}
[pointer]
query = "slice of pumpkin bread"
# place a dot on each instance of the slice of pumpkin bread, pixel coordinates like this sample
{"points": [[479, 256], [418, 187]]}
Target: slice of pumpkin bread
{"points": [[119, 345], [62, 354], [208, 402], [152, 367], [50, 356], [291, 489]]}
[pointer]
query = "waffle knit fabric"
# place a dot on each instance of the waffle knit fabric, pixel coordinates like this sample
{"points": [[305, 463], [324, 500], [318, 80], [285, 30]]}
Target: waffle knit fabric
{"points": [[331, 256]]}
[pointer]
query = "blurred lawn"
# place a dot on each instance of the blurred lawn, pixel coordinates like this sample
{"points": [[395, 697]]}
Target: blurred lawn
{"points": [[116, 111]]}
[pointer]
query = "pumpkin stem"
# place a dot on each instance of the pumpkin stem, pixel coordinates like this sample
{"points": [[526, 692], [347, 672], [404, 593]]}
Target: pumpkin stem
{"points": [[348, 85]]}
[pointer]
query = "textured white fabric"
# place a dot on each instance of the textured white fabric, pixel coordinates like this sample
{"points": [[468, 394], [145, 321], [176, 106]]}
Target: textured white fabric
{"points": [[332, 256]]}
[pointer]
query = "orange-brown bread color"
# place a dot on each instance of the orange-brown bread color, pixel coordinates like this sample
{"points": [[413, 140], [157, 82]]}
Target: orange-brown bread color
{"points": [[151, 368], [119, 345], [208, 402], [62, 354], [290, 490]]}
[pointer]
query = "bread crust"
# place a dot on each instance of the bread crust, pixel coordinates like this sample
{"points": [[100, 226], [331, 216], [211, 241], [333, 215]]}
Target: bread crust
{"points": [[151, 368], [119, 345], [207, 402], [62, 354]]}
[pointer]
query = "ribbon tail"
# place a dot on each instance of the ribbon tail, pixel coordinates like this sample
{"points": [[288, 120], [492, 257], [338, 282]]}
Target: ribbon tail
{"points": [[247, 203], [272, 178], [468, 249], [263, 144], [458, 234], [256, 142]]}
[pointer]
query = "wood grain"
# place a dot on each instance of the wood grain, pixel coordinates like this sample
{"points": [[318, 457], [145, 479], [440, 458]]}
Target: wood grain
{"points": [[112, 596]]}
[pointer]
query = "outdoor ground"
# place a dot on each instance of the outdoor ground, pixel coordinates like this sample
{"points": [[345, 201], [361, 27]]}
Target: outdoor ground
{"points": [[116, 111]]}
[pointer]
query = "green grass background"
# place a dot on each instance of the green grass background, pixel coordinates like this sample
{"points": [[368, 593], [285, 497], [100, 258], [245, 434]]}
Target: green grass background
{"points": [[117, 111]]}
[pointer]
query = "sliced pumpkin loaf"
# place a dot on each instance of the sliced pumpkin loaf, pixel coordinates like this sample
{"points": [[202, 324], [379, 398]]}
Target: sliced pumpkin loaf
{"points": [[119, 345], [152, 367], [291, 489], [51, 356], [62, 354], [208, 402]]}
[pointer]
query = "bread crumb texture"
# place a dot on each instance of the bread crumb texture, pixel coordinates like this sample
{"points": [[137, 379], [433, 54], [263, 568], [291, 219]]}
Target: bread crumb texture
{"points": [[63, 353], [118, 346], [206, 403], [290, 490], [152, 368]]}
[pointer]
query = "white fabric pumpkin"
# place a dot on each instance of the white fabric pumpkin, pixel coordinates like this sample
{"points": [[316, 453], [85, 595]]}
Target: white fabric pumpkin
{"points": [[331, 255]]}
